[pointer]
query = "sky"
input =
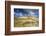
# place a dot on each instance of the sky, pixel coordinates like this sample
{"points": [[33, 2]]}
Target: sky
{"points": [[18, 12]]}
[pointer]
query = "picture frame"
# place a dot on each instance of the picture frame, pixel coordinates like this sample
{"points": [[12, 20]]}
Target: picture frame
{"points": [[13, 6]]}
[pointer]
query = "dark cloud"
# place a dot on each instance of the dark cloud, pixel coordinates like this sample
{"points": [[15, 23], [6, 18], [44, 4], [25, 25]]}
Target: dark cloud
{"points": [[25, 12]]}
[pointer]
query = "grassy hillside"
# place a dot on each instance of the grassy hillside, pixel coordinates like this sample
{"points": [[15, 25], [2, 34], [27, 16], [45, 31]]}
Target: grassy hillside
{"points": [[26, 22]]}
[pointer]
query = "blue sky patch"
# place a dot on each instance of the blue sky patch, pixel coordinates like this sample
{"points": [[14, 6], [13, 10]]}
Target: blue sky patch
{"points": [[26, 12]]}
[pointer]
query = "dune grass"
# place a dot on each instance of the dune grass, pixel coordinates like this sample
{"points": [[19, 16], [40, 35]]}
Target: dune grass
{"points": [[25, 22]]}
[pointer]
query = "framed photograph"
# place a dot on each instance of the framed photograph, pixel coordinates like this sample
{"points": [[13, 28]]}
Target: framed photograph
{"points": [[24, 17]]}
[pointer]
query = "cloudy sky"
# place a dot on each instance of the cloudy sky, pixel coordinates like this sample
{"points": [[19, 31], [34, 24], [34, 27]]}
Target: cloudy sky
{"points": [[26, 12]]}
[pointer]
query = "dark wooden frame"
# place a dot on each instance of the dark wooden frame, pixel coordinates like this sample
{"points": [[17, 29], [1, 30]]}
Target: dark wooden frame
{"points": [[7, 17]]}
